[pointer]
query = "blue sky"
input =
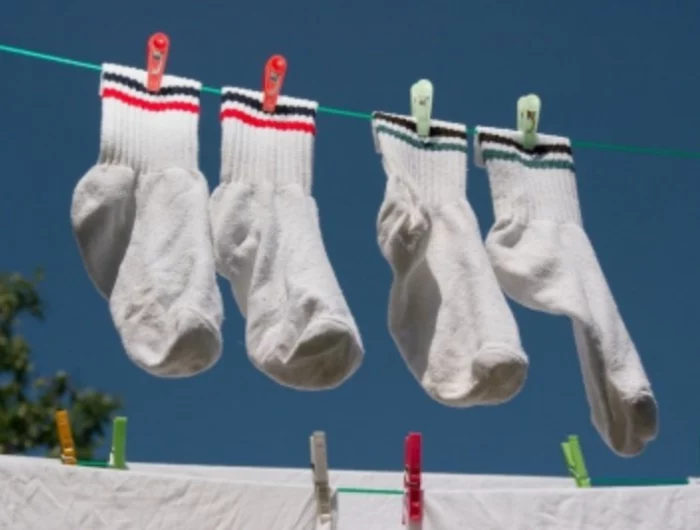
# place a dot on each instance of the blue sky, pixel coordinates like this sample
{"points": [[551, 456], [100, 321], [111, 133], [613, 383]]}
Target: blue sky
{"points": [[606, 72]]}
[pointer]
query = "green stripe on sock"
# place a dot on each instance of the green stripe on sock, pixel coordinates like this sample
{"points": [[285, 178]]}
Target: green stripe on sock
{"points": [[493, 154], [428, 146]]}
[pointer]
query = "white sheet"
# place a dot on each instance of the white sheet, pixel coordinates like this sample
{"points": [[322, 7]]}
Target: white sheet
{"points": [[40, 494], [360, 479], [37, 494]]}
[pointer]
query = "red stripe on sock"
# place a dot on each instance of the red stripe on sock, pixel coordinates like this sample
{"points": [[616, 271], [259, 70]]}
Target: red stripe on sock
{"points": [[268, 124], [150, 105]]}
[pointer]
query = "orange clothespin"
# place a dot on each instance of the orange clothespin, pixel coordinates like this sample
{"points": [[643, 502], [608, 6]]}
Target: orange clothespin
{"points": [[65, 438], [156, 59], [275, 70]]}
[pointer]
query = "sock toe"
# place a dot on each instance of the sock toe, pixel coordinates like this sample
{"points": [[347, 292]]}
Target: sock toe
{"points": [[195, 346], [496, 375], [500, 372], [322, 357], [645, 414], [634, 423]]}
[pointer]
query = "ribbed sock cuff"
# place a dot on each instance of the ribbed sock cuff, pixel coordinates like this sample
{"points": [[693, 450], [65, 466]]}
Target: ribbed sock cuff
{"points": [[436, 166], [273, 149], [144, 130], [544, 175]]}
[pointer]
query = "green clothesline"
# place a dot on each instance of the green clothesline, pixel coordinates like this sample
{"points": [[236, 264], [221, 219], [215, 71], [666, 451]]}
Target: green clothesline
{"points": [[396, 492], [677, 153], [598, 483]]}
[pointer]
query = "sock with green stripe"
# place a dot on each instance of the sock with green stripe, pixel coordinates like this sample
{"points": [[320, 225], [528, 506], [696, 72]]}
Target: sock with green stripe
{"points": [[268, 244], [545, 261], [447, 314]]}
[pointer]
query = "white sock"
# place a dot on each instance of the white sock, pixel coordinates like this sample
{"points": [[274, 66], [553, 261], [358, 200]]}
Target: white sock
{"points": [[545, 261], [299, 329], [165, 302], [103, 207], [447, 315]]}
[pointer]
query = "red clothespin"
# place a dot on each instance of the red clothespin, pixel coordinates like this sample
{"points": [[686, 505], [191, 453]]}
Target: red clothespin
{"points": [[156, 58], [413, 494], [275, 70]]}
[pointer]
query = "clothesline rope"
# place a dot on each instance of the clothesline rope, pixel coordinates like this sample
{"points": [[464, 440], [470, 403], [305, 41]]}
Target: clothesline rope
{"points": [[677, 153]]}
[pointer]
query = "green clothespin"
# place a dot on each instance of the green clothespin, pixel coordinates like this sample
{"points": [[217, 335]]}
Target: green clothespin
{"points": [[575, 462], [422, 106], [118, 455], [529, 108]]}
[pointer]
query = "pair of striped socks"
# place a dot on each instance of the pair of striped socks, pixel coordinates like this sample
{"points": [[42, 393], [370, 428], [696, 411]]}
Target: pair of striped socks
{"points": [[447, 312], [152, 239]]}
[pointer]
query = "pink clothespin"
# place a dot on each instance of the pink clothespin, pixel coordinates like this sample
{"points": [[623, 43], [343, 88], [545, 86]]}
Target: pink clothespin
{"points": [[413, 494], [275, 70], [156, 58]]}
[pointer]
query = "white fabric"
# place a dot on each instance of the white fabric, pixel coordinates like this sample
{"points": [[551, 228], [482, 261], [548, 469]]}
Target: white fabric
{"points": [[141, 221], [644, 508], [359, 479], [268, 244], [102, 215], [545, 261], [149, 138], [38, 494], [166, 303], [447, 314]]}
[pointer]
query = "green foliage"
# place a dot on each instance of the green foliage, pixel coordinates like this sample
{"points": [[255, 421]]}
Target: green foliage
{"points": [[28, 402]]}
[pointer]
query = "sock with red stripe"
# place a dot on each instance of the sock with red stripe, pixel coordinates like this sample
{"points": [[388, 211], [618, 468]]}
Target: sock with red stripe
{"points": [[545, 261], [103, 207], [268, 244], [142, 225], [447, 314]]}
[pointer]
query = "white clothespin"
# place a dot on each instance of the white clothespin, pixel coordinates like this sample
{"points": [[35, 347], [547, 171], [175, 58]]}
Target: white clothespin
{"points": [[319, 468], [529, 109], [422, 106]]}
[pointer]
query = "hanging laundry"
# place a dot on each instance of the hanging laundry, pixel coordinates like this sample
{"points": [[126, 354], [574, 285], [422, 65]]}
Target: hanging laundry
{"points": [[140, 217], [544, 260], [447, 314], [268, 244]]}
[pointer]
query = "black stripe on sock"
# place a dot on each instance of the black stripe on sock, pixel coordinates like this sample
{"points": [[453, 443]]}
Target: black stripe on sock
{"points": [[140, 87], [537, 150], [435, 131], [286, 110]]}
